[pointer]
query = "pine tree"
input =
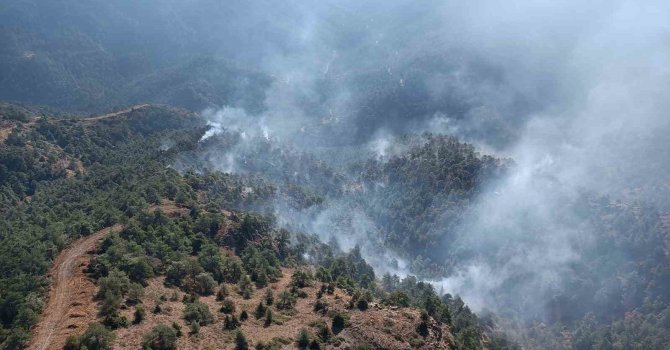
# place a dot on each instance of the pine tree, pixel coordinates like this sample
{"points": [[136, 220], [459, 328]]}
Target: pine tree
{"points": [[241, 341], [268, 317], [245, 286], [269, 297], [260, 310]]}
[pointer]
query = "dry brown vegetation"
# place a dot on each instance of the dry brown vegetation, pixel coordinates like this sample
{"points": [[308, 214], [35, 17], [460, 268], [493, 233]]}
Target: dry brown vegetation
{"points": [[4, 133], [378, 327], [72, 306]]}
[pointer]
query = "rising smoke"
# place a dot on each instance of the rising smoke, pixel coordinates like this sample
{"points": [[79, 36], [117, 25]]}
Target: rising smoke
{"points": [[572, 91]]}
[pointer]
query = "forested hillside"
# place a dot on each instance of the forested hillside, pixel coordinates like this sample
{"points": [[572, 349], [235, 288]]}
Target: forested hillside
{"points": [[70, 178], [435, 174], [419, 200]]}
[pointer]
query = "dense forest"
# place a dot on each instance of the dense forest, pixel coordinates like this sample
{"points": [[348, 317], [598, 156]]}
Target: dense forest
{"points": [[68, 178], [341, 174]]}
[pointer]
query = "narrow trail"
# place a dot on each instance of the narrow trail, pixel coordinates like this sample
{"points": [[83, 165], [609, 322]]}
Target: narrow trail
{"points": [[111, 115], [66, 310]]}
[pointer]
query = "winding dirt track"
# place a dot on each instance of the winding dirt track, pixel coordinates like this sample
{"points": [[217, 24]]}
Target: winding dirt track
{"points": [[71, 305], [114, 114], [66, 311]]}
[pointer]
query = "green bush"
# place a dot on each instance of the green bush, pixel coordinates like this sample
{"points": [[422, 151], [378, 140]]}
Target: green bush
{"points": [[260, 310], [72, 343], [245, 287], [301, 279], [338, 323], [96, 337], [161, 337], [227, 307], [269, 297], [198, 312], [303, 339], [204, 284], [139, 314], [268, 317], [241, 341], [231, 322], [222, 293]]}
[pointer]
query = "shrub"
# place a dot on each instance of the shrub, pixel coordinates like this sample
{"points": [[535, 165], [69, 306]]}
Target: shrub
{"points": [[140, 270], [303, 339], [222, 293], [320, 305], [241, 341], [361, 299], [135, 294], [324, 332], [301, 279], [362, 304], [177, 329], [339, 322], [115, 320], [198, 312], [233, 269], [161, 337], [96, 337], [260, 310], [228, 307], [397, 298], [139, 314], [268, 317], [181, 273], [110, 304], [116, 283], [231, 322], [245, 286], [204, 284], [422, 328], [71, 343], [195, 327], [269, 297], [314, 345], [286, 300]]}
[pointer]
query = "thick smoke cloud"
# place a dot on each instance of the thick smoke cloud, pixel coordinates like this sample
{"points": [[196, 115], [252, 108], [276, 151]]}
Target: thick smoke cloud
{"points": [[574, 92], [600, 133]]}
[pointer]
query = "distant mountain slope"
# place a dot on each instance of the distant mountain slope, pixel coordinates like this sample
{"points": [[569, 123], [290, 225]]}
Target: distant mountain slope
{"points": [[95, 56], [326, 60]]}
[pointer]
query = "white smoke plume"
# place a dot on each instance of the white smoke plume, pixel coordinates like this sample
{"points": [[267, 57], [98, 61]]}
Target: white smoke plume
{"points": [[574, 92]]}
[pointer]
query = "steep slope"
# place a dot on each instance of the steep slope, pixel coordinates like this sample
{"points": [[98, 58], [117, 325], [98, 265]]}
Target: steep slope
{"points": [[123, 182], [70, 302], [46, 203]]}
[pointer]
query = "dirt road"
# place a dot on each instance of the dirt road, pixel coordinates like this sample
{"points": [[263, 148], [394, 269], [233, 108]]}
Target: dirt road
{"points": [[111, 115], [70, 305]]}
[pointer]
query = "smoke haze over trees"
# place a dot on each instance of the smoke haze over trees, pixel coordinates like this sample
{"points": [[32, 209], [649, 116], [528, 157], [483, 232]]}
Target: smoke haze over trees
{"points": [[513, 154]]}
